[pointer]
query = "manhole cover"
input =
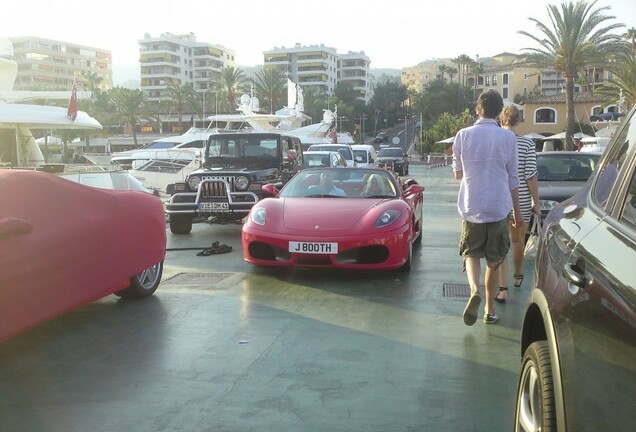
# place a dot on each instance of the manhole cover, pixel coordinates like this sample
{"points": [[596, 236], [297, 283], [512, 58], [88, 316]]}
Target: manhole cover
{"points": [[456, 290], [201, 279]]}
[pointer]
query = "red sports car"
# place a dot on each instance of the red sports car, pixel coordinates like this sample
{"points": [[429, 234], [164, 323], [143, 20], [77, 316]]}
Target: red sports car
{"points": [[64, 245], [338, 217]]}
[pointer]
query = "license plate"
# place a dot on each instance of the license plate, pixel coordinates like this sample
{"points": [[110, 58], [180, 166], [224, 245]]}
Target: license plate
{"points": [[313, 247], [215, 206]]}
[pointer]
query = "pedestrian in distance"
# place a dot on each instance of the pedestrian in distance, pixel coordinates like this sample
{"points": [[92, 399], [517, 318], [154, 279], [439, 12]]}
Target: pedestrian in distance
{"points": [[528, 201], [485, 163]]}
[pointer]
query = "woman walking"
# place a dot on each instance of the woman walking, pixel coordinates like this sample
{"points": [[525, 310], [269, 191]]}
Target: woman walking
{"points": [[528, 201]]}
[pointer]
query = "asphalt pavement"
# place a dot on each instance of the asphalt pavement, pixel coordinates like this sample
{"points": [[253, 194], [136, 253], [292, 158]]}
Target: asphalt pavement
{"points": [[223, 346]]}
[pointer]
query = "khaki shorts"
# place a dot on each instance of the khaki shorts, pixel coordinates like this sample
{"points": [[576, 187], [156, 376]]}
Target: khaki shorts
{"points": [[485, 240]]}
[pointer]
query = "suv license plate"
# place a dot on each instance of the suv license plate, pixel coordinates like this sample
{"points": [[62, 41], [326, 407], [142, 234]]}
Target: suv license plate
{"points": [[313, 247], [215, 206]]}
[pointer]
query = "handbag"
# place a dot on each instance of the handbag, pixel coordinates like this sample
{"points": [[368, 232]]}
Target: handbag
{"points": [[532, 244]]}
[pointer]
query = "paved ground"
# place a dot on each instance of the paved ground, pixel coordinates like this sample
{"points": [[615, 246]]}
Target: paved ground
{"points": [[223, 346]]}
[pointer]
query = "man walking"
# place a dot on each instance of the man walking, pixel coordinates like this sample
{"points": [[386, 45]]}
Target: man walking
{"points": [[485, 162]]}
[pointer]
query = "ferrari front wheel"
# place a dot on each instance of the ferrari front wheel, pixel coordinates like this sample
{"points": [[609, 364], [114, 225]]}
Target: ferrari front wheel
{"points": [[409, 260]]}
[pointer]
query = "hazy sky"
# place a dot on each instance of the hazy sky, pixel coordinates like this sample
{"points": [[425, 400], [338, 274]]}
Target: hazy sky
{"points": [[393, 34]]}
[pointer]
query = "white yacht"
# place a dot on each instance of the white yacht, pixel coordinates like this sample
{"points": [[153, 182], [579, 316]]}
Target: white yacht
{"points": [[18, 147]]}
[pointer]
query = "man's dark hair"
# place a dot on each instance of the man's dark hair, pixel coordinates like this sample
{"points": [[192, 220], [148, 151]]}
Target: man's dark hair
{"points": [[489, 104]]}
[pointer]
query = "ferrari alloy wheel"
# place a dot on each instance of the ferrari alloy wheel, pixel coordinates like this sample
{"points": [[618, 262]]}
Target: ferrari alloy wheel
{"points": [[180, 223], [535, 392], [143, 284]]}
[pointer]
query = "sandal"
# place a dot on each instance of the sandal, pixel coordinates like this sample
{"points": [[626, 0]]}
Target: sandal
{"points": [[518, 280], [504, 296]]}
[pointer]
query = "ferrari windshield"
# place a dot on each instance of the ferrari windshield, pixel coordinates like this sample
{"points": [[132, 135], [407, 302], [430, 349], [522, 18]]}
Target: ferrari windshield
{"points": [[341, 183]]}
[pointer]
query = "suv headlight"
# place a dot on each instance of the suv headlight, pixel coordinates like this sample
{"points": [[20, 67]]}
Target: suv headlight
{"points": [[241, 183], [194, 182]]}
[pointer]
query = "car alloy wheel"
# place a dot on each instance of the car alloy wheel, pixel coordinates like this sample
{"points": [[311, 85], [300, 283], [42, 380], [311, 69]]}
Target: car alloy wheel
{"points": [[535, 392]]}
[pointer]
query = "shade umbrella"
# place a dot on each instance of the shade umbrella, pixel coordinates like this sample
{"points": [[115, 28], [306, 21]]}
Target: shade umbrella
{"points": [[446, 141], [534, 135], [561, 136]]}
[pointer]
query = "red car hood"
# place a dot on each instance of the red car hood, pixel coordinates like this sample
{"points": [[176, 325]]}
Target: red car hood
{"points": [[328, 213]]}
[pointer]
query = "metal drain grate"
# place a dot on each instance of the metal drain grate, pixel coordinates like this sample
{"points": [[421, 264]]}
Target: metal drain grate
{"points": [[456, 290], [200, 279]]}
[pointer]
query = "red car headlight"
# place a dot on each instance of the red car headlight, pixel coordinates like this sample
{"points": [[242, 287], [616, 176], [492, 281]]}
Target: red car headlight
{"points": [[387, 218], [258, 215]]}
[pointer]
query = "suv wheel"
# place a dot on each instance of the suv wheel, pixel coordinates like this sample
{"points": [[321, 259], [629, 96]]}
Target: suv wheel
{"points": [[535, 392], [180, 224]]}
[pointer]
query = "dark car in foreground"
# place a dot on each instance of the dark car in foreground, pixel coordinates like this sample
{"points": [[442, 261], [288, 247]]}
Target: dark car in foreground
{"points": [[65, 244], [393, 159], [561, 174], [578, 338]]}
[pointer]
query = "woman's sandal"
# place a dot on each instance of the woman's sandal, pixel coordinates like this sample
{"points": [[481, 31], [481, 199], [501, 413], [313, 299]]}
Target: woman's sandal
{"points": [[518, 280], [500, 291]]}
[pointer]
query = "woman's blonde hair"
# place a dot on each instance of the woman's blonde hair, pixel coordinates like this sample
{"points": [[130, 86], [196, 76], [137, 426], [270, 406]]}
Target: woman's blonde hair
{"points": [[509, 116]]}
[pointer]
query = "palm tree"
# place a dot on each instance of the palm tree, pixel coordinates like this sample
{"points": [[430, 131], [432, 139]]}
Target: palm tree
{"points": [[230, 84], [476, 70], [623, 83], [270, 87], [180, 97], [573, 40], [128, 107]]}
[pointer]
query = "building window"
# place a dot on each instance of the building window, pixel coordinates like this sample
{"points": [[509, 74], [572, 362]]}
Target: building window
{"points": [[487, 80], [505, 93], [505, 79], [494, 80], [545, 115]]}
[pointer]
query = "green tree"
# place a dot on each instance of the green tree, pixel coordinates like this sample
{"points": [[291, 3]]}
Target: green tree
{"points": [[316, 102], [128, 107], [230, 84], [578, 35], [182, 98], [271, 84]]}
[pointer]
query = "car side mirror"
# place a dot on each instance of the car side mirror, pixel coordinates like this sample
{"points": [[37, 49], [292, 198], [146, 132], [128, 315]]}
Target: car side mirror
{"points": [[270, 189], [413, 190]]}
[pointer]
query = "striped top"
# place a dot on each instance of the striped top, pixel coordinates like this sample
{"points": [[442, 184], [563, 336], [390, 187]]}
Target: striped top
{"points": [[527, 169]]}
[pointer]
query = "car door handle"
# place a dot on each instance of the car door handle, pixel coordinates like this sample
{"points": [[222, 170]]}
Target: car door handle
{"points": [[574, 275]]}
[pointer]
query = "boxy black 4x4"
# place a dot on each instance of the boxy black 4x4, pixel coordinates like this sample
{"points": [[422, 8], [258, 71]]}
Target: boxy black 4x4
{"points": [[235, 168]]}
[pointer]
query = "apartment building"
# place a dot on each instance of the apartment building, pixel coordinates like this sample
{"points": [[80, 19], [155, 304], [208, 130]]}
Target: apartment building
{"points": [[47, 64], [180, 59], [322, 67], [353, 67]]}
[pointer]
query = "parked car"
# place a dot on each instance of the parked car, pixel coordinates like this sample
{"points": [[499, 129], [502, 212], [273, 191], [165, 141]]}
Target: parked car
{"points": [[344, 149], [313, 159], [393, 158], [381, 137], [334, 217], [235, 168], [365, 155], [64, 244], [561, 174], [578, 338]]}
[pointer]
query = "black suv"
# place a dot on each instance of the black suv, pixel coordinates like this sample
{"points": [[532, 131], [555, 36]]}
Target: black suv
{"points": [[235, 168], [578, 339], [393, 159]]}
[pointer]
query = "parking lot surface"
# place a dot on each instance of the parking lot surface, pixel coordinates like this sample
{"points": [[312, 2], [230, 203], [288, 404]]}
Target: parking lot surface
{"points": [[223, 346]]}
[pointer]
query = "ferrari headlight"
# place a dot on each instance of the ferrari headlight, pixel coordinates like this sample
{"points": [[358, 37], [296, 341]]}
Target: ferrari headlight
{"points": [[241, 183], [258, 215], [194, 182], [387, 218]]}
